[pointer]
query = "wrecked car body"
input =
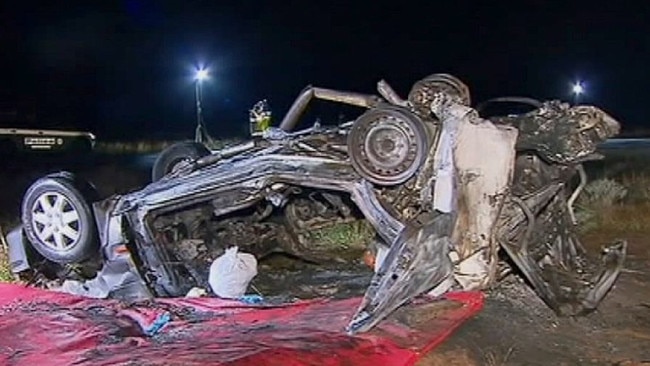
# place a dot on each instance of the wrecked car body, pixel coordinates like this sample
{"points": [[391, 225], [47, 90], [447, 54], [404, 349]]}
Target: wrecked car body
{"points": [[444, 189]]}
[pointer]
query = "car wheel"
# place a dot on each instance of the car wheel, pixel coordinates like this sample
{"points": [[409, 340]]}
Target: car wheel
{"points": [[172, 156], [387, 145], [58, 219], [423, 92]]}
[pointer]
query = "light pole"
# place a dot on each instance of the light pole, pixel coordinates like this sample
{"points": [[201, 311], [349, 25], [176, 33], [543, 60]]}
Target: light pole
{"points": [[201, 74], [577, 90]]}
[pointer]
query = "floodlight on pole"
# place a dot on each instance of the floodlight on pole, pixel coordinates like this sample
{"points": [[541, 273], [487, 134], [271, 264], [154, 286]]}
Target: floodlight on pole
{"points": [[201, 74], [577, 89]]}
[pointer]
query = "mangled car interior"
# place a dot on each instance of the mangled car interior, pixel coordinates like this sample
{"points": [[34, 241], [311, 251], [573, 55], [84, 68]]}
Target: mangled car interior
{"points": [[456, 199]]}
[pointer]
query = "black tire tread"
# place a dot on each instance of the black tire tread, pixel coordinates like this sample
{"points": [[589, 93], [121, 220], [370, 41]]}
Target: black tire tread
{"points": [[172, 154], [79, 193]]}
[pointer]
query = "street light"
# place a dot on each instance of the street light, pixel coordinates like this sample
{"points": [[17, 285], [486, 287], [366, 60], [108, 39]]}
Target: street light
{"points": [[201, 74], [577, 89]]}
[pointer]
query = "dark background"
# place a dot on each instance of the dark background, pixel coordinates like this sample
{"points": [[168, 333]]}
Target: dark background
{"points": [[123, 69]]}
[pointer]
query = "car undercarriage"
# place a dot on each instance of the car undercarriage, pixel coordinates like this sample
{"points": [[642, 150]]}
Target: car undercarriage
{"points": [[452, 196]]}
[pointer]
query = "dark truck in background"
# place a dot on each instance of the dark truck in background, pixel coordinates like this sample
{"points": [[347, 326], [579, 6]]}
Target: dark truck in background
{"points": [[17, 134]]}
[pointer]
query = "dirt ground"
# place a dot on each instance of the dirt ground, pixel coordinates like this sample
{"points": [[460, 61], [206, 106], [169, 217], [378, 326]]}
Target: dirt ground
{"points": [[515, 327]]}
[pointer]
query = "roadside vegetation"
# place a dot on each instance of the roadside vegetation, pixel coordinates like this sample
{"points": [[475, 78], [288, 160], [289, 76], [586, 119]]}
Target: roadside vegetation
{"points": [[617, 197], [137, 147], [5, 272], [615, 205], [149, 147]]}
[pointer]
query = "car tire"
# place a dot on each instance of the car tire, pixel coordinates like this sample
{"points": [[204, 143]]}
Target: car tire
{"points": [[58, 218], [174, 154], [388, 144]]}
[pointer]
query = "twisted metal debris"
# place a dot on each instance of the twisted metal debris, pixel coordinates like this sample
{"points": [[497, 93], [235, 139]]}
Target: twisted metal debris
{"points": [[443, 187]]}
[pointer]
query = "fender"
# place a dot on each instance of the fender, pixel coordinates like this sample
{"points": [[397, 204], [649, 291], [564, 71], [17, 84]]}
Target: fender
{"points": [[18, 257]]}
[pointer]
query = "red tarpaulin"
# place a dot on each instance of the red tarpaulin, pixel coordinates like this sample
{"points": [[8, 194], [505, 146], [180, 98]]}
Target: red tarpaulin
{"points": [[40, 327]]}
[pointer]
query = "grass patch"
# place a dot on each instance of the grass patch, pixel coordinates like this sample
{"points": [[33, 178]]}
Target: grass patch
{"points": [[620, 218], [638, 187], [5, 272], [620, 204], [617, 198], [135, 147], [356, 235]]}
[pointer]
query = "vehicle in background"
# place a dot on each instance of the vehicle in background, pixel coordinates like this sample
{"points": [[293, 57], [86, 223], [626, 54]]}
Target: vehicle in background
{"points": [[18, 135]]}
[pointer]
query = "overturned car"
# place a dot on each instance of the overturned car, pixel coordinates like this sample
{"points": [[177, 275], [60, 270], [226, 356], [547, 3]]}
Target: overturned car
{"points": [[450, 194]]}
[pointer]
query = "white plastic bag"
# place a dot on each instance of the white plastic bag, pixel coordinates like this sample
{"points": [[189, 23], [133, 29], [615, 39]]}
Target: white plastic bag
{"points": [[231, 273]]}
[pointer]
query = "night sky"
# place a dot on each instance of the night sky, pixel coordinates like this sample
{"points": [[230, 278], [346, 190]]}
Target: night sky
{"points": [[124, 69]]}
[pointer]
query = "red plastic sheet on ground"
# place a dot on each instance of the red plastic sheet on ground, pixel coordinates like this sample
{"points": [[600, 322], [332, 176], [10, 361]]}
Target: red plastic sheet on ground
{"points": [[40, 327]]}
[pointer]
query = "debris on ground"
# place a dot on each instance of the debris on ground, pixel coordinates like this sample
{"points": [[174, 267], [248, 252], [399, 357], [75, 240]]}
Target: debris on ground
{"points": [[196, 292], [95, 288]]}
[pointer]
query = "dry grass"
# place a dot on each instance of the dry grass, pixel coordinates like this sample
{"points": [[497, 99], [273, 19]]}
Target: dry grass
{"points": [[5, 271], [638, 186], [149, 147], [136, 147], [496, 358], [618, 205], [623, 218]]}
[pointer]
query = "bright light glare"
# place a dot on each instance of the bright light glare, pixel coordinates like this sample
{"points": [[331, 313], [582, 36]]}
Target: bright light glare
{"points": [[578, 88], [201, 74]]}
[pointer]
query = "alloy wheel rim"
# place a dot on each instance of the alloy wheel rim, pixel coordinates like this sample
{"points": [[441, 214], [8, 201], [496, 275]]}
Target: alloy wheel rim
{"points": [[56, 221]]}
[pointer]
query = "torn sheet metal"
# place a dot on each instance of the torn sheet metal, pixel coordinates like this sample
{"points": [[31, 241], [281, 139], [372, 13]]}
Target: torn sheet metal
{"points": [[484, 156], [417, 261], [444, 186], [535, 226]]}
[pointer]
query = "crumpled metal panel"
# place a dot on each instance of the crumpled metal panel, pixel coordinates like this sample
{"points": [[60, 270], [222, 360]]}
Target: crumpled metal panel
{"points": [[484, 157], [563, 134], [418, 260], [529, 218], [535, 226]]}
